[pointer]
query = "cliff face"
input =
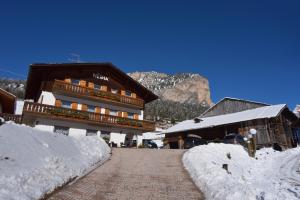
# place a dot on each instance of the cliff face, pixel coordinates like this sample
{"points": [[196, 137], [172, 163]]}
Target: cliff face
{"points": [[182, 87]]}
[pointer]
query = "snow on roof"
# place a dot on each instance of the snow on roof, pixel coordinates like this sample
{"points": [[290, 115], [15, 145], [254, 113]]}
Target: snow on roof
{"points": [[232, 98], [257, 113]]}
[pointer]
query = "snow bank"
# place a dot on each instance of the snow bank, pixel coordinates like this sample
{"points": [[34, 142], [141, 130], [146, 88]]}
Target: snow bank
{"points": [[34, 162], [270, 176]]}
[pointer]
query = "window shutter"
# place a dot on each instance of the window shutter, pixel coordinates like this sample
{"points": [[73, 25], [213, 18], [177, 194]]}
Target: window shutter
{"points": [[68, 80], [133, 95], [119, 114], [58, 103], [104, 87], [82, 83], [123, 92], [84, 107], [91, 85], [125, 114], [98, 110], [74, 106], [135, 116], [106, 111]]}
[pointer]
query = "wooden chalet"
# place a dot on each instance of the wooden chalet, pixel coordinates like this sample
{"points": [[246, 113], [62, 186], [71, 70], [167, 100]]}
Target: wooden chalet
{"points": [[7, 106], [7, 102], [272, 122], [85, 98]]}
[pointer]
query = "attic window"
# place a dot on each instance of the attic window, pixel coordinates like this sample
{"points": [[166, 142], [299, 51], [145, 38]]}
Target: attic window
{"points": [[197, 120]]}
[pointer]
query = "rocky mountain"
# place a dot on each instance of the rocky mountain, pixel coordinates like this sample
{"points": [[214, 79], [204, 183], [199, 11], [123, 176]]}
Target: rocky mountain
{"points": [[181, 87], [181, 96]]}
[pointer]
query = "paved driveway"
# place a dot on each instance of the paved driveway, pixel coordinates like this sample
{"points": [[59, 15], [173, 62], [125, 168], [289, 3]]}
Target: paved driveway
{"points": [[135, 174]]}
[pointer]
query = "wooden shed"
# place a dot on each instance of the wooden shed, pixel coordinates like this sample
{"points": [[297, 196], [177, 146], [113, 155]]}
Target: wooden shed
{"points": [[272, 122]]}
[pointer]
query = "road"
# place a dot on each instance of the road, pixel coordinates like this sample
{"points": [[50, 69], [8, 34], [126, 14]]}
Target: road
{"points": [[135, 174]]}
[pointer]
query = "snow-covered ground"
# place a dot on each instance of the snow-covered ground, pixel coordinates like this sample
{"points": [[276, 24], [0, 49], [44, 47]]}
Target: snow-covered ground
{"points": [[33, 162], [270, 176]]}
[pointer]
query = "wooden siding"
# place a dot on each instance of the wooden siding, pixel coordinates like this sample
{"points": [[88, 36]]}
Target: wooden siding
{"points": [[227, 106], [61, 87]]}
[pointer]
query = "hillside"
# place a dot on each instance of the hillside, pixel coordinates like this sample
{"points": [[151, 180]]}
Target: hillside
{"points": [[181, 87], [16, 87], [181, 96]]}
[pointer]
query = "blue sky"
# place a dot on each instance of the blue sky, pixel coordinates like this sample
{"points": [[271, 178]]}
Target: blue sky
{"points": [[247, 49]]}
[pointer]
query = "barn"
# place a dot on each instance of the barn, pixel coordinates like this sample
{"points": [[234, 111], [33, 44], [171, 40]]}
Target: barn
{"points": [[230, 115]]}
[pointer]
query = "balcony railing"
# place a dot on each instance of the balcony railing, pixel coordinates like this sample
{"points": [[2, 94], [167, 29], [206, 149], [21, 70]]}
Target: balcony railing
{"points": [[84, 116], [11, 117], [61, 86]]}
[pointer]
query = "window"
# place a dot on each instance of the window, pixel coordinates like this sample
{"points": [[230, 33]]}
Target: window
{"points": [[115, 91], [113, 112], [75, 82], [91, 108], [90, 132], [130, 115], [97, 86], [100, 87], [61, 130], [128, 93], [66, 104]]}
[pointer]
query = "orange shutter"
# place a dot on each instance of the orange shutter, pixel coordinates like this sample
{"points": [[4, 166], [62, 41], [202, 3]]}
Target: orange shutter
{"points": [[104, 87], [133, 95], [68, 80], [82, 83], [98, 110], [123, 92], [125, 114], [58, 103], [74, 106], [91, 85], [135, 116], [84, 107], [119, 114], [106, 111]]}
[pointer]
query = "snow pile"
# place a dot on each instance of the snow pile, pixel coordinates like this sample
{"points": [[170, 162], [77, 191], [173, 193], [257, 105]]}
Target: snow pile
{"points": [[270, 176], [34, 162]]}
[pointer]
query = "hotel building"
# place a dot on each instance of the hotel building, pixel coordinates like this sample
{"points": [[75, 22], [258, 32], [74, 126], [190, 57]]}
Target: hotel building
{"points": [[86, 99]]}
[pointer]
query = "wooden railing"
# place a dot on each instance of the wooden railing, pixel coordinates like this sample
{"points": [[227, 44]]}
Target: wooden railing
{"points": [[11, 117], [85, 91], [87, 116]]}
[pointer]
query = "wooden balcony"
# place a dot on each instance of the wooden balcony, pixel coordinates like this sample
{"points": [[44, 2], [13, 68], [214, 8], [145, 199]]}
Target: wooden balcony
{"points": [[86, 117], [11, 117], [62, 87]]}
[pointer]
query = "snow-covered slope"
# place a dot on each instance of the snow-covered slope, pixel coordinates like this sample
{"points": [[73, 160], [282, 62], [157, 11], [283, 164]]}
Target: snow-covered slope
{"points": [[33, 162], [271, 176]]}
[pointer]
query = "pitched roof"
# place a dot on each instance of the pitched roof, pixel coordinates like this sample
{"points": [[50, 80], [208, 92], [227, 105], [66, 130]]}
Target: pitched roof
{"points": [[47, 72], [247, 115], [235, 99], [2, 91]]}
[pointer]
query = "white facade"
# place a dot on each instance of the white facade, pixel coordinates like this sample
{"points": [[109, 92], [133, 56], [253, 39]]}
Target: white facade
{"points": [[117, 138], [19, 107]]}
